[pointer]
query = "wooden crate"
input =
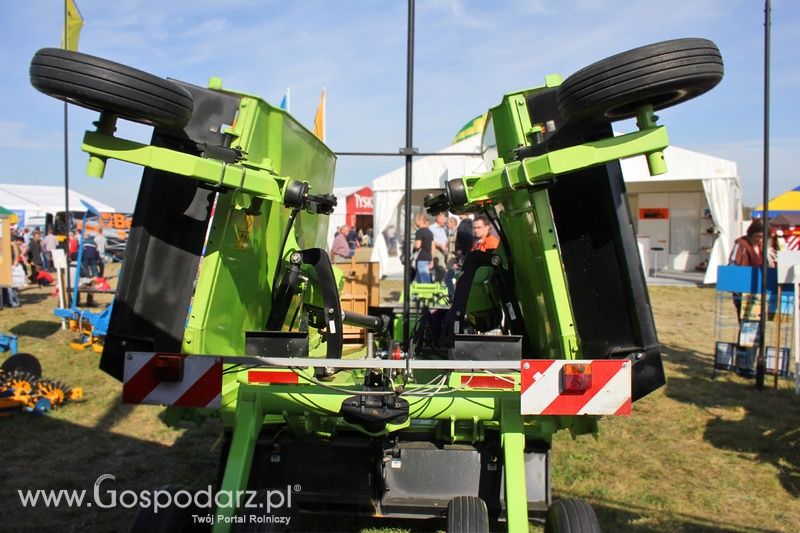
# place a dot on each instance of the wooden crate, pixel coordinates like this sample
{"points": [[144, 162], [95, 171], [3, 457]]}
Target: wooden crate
{"points": [[361, 291]]}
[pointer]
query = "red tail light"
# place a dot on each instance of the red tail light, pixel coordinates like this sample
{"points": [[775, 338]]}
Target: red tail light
{"points": [[577, 378]]}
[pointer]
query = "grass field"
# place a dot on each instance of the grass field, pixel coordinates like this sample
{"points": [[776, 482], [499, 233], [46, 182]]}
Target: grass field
{"points": [[697, 455]]}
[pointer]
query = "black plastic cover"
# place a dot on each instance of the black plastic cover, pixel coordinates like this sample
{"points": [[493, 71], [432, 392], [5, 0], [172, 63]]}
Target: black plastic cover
{"points": [[598, 245], [166, 241]]}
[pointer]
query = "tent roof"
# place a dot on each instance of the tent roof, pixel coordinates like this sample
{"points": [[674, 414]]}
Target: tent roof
{"points": [[432, 171], [783, 204], [47, 198], [682, 164]]}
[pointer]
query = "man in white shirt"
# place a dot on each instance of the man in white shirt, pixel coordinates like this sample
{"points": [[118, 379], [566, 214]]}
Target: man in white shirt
{"points": [[100, 241], [441, 244], [50, 243]]}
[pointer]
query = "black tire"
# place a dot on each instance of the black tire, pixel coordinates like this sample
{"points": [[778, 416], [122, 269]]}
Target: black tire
{"points": [[571, 516], [467, 514], [661, 74], [103, 85], [23, 363]]}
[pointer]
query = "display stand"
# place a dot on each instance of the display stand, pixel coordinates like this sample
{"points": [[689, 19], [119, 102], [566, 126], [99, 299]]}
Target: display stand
{"points": [[737, 324], [789, 273]]}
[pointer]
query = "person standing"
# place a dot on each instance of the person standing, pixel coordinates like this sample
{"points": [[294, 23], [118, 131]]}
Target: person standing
{"points": [[484, 240], [747, 251], [100, 241], [440, 246], [10, 295], [747, 248], [423, 242], [36, 249], [72, 246], [352, 241], [464, 236], [452, 230], [50, 245], [340, 250], [90, 257]]}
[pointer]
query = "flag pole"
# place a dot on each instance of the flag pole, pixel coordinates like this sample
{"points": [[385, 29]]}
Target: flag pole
{"points": [[67, 217], [760, 367]]}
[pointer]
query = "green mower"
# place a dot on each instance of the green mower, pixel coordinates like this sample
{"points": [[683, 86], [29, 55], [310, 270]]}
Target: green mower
{"points": [[228, 305]]}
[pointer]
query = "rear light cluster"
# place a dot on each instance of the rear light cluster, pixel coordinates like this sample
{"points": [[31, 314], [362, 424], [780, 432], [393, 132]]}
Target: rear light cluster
{"points": [[576, 378]]}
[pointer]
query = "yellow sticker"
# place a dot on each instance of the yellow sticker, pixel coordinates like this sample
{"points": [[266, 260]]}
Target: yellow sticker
{"points": [[243, 232]]}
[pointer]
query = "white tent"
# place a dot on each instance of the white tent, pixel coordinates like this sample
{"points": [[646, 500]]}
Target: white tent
{"points": [[39, 200], [716, 179], [429, 173]]}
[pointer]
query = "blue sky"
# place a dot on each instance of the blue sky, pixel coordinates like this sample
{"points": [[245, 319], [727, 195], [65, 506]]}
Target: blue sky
{"points": [[468, 53]]}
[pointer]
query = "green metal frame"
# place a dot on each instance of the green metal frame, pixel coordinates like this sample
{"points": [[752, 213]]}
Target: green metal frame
{"points": [[234, 287]]}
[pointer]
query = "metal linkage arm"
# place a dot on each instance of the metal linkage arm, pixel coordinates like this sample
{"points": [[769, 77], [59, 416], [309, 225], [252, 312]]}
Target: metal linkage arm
{"points": [[539, 170], [241, 177]]}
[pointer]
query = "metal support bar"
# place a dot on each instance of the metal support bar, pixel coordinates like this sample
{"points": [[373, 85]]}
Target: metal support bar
{"points": [[415, 153], [407, 240], [535, 170], [247, 425], [512, 439], [646, 119], [253, 181], [106, 125], [319, 362]]}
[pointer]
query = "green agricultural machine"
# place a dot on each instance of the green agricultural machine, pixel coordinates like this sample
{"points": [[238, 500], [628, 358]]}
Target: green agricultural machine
{"points": [[228, 305]]}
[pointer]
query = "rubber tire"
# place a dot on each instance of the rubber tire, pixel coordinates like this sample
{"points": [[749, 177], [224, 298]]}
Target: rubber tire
{"points": [[103, 85], [467, 514], [23, 362], [661, 74], [571, 516]]}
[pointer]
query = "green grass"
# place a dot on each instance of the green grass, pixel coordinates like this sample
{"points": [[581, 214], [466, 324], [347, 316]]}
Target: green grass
{"points": [[697, 455]]}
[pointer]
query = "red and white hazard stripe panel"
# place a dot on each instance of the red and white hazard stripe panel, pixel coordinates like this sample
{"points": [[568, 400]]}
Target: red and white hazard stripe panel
{"points": [[172, 379], [562, 387]]}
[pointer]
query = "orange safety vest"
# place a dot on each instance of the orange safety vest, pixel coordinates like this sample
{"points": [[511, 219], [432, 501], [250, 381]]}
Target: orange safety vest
{"points": [[490, 242]]}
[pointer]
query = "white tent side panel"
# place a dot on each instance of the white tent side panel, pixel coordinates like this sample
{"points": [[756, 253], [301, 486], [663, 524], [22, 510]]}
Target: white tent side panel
{"points": [[721, 185]]}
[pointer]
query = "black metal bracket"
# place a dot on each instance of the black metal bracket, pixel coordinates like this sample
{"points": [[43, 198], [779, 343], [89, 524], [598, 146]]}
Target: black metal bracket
{"points": [[453, 322], [296, 196], [330, 316], [373, 412]]}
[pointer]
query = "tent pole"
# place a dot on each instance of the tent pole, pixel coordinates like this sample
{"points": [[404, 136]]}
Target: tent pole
{"points": [[408, 151]]}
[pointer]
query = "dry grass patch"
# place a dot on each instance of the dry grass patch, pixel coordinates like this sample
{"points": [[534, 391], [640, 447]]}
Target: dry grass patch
{"points": [[697, 455]]}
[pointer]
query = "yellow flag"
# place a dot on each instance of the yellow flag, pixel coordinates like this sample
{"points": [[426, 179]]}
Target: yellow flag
{"points": [[319, 118], [73, 27]]}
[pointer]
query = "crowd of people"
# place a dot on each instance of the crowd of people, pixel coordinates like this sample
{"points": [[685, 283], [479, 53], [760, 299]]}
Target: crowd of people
{"points": [[33, 262], [347, 240], [441, 245]]}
